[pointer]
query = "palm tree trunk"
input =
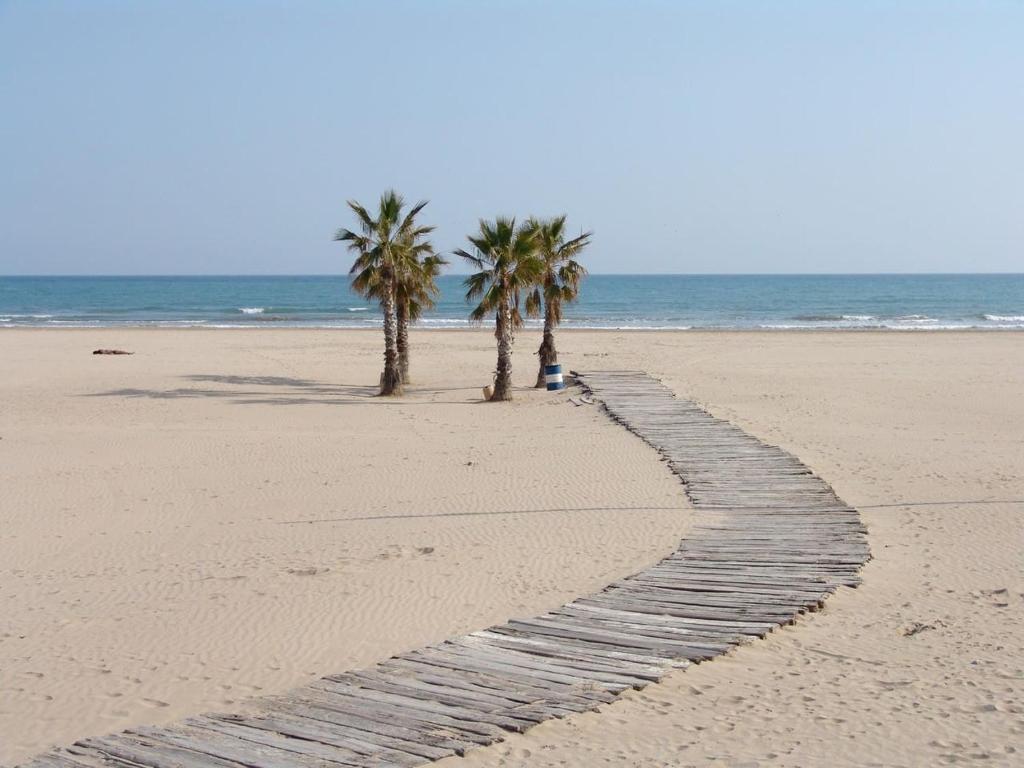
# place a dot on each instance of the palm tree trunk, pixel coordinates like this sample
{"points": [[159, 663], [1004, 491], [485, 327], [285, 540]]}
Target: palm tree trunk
{"points": [[503, 380], [402, 316], [391, 381], [547, 354]]}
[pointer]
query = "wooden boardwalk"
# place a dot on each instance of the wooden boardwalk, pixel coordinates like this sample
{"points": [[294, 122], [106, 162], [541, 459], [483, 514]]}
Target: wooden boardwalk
{"points": [[771, 540]]}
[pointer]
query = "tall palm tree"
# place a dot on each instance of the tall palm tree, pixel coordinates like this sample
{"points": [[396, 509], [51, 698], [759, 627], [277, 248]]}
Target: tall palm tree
{"points": [[559, 282], [383, 248], [506, 257], [416, 272], [415, 290]]}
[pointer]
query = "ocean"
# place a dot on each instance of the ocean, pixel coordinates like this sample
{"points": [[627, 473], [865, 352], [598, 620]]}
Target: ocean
{"points": [[848, 302]]}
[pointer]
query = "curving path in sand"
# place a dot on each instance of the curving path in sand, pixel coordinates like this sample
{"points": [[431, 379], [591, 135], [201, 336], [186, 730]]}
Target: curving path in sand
{"points": [[771, 541]]}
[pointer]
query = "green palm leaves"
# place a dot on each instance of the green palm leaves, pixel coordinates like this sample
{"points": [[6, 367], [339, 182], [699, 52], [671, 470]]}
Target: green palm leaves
{"points": [[529, 268], [396, 265], [534, 258], [507, 263], [506, 257]]}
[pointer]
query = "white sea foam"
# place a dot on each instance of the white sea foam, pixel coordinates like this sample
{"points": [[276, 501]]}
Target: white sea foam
{"points": [[635, 327], [916, 319], [835, 318], [1004, 318], [893, 326], [251, 310], [358, 309]]}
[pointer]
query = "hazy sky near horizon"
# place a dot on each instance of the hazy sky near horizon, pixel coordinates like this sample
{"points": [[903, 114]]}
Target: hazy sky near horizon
{"points": [[224, 137]]}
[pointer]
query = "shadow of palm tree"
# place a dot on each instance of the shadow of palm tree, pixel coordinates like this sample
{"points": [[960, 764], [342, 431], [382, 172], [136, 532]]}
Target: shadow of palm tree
{"points": [[267, 381], [279, 390]]}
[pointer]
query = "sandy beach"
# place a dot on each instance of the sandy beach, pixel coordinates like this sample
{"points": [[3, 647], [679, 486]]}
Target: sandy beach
{"points": [[230, 513]]}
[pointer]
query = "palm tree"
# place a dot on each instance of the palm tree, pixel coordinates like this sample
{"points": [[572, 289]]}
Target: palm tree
{"points": [[559, 282], [416, 272], [506, 256], [384, 246]]}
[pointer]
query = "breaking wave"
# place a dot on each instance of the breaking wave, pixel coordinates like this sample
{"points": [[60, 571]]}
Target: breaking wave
{"points": [[1004, 318]]}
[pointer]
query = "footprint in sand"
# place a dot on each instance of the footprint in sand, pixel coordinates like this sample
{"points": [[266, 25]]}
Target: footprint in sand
{"points": [[999, 597], [155, 703], [398, 551], [310, 571]]}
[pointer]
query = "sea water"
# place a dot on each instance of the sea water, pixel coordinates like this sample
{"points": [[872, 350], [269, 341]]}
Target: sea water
{"points": [[849, 302]]}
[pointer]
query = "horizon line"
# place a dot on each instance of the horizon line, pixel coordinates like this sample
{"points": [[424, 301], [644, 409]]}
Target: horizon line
{"points": [[462, 274]]}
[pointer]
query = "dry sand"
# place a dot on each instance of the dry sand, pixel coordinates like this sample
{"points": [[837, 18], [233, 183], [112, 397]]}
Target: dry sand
{"points": [[152, 562]]}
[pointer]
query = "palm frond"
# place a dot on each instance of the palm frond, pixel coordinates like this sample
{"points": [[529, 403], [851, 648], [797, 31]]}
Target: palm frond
{"points": [[473, 259], [559, 275], [365, 220], [517, 318], [476, 285], [571, 248], [534, 303], [478, 313], [410, 217]]}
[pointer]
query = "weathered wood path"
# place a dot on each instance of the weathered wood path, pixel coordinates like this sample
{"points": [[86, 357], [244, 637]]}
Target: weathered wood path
{"points": [[771, 541]]}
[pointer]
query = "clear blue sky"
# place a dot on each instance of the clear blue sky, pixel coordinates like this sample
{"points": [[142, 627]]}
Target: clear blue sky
{"points": [[224, 137]]}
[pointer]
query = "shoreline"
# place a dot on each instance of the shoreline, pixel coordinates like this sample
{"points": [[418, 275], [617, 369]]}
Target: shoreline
{"points": [[521, 333]]}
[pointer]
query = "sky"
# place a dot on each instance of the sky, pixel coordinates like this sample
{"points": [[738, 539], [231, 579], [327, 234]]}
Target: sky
{"points": [[223, 137]]}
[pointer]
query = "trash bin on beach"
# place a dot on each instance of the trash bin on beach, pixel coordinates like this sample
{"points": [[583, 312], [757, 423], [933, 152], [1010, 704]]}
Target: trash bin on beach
{"points": [[553, 377]]}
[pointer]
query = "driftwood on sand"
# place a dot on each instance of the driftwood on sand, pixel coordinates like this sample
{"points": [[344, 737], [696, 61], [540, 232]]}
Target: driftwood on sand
{"points": [[111, 352]]}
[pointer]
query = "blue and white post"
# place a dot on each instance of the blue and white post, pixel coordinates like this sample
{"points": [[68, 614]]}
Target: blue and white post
{"points": [[553, 377]]}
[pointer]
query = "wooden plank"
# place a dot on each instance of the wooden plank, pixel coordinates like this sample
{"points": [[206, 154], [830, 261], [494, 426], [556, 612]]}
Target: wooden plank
{"points": [[461, 715], [644, 667], [414, 726], [407, 740], [516, 690], [519, 671], [349, 745], [144, 753], [230, 747]]}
